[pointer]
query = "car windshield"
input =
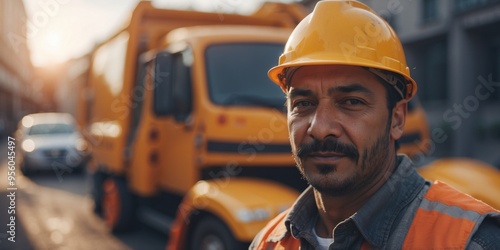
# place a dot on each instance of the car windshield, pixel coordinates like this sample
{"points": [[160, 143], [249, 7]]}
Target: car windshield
{"points": [[237, 74], [56, 128]]}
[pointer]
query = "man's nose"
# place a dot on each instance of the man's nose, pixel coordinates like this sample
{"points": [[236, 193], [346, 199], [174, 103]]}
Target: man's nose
{"points": [[325, 122]]}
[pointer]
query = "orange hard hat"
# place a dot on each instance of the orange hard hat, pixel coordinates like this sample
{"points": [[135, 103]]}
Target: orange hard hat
{"points": [[346, 33]]}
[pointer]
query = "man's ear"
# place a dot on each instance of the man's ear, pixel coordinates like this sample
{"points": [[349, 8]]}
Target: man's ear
{"points": [[398, 119]]}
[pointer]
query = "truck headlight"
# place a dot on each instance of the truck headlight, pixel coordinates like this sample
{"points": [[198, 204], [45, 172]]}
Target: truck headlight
{"points": [[249, 215]]}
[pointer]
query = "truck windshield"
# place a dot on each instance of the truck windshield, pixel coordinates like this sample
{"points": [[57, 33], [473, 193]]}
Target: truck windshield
{"points": [[237, 74]]}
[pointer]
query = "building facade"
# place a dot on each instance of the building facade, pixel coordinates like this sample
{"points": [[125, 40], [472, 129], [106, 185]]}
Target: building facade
{"points": [[453, 50], [72, 87], [17, 93]]}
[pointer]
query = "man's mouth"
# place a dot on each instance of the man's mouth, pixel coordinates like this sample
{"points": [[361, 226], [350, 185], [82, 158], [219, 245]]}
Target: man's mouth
{"points": [[325, 156]]}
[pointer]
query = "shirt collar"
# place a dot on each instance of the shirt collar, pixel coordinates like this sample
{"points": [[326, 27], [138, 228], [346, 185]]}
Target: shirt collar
{"points": [[303, 213], [299, 219], [376, 218]]}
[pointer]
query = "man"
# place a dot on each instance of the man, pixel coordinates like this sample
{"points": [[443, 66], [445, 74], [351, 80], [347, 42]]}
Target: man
{"points": [[347, 84]]}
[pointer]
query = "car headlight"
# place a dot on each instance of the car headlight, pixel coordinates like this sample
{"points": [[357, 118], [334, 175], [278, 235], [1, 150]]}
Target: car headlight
{"points": [[81, 144], [28, 145]]}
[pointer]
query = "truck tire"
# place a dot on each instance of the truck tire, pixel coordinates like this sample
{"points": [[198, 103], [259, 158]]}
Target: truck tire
{"points": [[212, 234], [118, 208]]}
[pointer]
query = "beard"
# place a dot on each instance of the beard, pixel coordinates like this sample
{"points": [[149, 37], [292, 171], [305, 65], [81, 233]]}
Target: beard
{"points": [[328, 182]]}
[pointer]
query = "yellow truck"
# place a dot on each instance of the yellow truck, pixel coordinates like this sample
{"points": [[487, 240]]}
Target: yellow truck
{"points": [[188, 134], [182, 121]]}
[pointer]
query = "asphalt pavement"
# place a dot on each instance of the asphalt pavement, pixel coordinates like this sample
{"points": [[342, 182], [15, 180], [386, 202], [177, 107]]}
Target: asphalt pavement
{"points": [[55, 212]]}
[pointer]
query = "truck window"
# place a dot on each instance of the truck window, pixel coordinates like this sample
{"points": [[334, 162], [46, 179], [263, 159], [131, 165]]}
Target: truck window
{"points": [[173, 94], [237, 74]]}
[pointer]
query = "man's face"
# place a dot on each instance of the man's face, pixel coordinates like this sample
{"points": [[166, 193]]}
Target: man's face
{"points": [[339, 126]]}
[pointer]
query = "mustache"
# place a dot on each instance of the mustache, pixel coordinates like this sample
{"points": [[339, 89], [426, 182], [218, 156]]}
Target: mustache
{"points": [[328, 145]]}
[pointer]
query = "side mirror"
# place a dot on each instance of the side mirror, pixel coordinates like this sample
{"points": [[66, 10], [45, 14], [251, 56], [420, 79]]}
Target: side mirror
{"points": [[163, 100]]}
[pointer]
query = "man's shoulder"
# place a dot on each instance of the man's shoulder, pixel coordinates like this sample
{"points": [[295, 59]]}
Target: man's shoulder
{"points": [[446, 213], [275, 230], [299, 214], [449, 198], [276, 234], [487, 235]]}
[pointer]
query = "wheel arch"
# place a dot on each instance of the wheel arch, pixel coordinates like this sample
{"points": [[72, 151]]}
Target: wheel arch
{"points": [[230, 204], [196, 218]]}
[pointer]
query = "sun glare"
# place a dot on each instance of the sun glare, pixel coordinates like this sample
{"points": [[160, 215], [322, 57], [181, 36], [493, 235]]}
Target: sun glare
{"points": [[53, 41], [51, 47]]}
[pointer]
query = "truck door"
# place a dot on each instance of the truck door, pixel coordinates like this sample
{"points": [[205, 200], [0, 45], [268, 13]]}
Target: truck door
{"points": [[173, 102]]}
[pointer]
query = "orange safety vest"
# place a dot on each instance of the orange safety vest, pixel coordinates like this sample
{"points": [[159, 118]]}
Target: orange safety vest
{"points": [[446, 219]]}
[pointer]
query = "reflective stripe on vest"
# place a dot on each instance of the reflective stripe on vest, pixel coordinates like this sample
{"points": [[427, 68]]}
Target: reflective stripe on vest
{"points": [[446, 219]]}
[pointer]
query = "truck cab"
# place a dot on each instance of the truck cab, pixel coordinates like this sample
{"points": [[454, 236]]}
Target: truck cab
{"points": [[186, 131], [221, 130]]}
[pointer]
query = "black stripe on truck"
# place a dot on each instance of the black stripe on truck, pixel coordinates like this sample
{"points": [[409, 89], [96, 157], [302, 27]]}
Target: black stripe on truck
{"points": [[246, 147]]}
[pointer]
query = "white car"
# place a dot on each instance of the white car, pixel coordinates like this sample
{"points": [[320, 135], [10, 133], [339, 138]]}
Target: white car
{"points": [[50, 141]]}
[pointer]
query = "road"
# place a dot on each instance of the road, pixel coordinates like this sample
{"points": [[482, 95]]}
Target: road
{"points": [[55, 212]]}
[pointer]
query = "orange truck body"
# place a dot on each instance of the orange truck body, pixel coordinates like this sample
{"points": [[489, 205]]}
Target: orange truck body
{"points": [[222, 145]]}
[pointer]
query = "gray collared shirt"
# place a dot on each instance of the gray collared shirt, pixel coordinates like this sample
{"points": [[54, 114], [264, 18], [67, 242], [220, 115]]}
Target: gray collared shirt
{"points": [[383, 220]]}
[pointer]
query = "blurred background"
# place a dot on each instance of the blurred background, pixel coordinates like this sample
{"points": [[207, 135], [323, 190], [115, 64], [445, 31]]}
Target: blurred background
{"points": [[452, 48]]}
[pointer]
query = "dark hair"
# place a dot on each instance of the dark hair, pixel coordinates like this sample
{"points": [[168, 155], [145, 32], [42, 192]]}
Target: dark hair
{"points": [[392, 97]]}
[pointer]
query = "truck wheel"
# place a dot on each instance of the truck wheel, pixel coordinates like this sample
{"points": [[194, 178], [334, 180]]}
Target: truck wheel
{"points": [[98, 178], [211, 234], [117, 204]]}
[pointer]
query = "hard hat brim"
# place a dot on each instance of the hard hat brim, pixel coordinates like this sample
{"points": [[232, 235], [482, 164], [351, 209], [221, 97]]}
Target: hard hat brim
{"points": [[275, 72]]}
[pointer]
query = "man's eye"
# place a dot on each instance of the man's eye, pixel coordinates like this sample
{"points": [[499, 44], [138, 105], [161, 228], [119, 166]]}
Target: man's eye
{"points": [[352, 102], [303, 104]]}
